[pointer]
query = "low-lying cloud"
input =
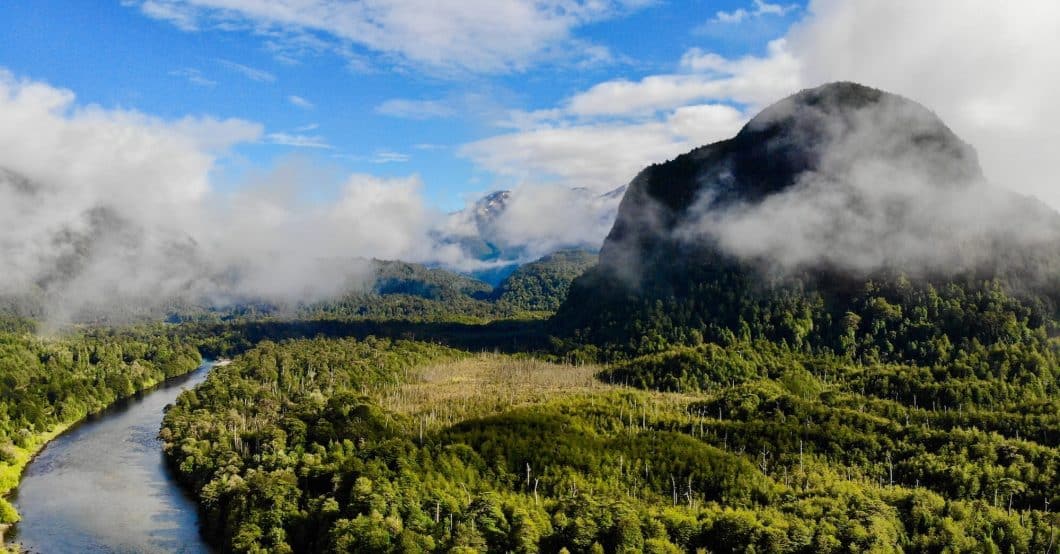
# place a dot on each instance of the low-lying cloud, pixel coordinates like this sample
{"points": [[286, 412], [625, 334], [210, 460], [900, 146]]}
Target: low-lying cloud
{"points": [[112, 212], [889, 187]]}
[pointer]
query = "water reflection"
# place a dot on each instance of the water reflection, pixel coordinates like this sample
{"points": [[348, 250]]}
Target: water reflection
{"points": [[103, 485]]}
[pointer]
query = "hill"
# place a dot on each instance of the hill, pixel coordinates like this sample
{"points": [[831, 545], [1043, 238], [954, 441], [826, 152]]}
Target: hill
{"points": [[543, 284], [401, 290]]}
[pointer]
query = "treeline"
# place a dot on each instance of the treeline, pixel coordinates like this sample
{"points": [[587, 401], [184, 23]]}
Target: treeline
{"points": [[299, 447], [886, 319], [49, 383], [233, 338]]}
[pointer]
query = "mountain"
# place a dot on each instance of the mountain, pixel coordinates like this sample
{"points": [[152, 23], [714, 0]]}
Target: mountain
{"points": [[494, 228], [842, 218]]}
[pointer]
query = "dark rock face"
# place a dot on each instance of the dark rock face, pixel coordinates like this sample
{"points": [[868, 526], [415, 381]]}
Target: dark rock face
{"points": [[825, 132]]}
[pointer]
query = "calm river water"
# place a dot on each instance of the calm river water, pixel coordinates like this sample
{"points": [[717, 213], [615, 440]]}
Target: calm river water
{"points": [[103, 485]]}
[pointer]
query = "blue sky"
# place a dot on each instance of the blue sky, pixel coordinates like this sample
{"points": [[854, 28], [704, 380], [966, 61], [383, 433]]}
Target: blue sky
{"points": [[369, 105]]}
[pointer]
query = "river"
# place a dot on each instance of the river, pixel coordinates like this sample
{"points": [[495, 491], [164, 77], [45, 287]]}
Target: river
{"points": [[103, 486]]}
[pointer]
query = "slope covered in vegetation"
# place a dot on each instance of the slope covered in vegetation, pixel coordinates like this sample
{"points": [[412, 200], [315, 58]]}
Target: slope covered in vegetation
{"points": [[375, 446], [542, 285]]}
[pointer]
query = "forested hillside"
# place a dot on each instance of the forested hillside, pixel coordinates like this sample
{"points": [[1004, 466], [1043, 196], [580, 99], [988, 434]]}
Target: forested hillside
{"points": [[379, 446], [542, 285], [406, 291]]}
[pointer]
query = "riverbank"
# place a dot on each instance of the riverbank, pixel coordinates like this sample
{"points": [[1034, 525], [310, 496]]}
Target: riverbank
{"points": [[11, 475], [104, 486], [17, 457]]}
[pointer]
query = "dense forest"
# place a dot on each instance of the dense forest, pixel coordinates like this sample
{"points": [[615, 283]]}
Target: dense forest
{"points": [[380, 446]]}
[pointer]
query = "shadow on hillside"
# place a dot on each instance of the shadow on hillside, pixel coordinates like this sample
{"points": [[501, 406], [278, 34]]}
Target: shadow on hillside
{"points": [[503, 336]]}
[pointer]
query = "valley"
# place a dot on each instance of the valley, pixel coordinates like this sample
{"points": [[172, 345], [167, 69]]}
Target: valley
{"points": [[778, 349]]}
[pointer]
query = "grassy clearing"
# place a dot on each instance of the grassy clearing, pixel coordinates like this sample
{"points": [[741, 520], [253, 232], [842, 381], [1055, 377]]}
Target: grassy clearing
{"points": [[440, 395], [450, 392]]}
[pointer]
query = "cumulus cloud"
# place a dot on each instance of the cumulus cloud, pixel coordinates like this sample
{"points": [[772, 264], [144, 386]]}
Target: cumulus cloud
{"points": [[477, 36], [600, 138], [750, 80], [601, 155]]}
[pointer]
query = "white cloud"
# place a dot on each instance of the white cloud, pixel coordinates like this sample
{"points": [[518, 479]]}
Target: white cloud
{"points": [[113, 198], [540, 219], [298, 140], [216, 136], [986, 72], [389, 156], [601, 156], [116, 151], [750, 80], [415, 109], [165, 11], [251, 73], [472, 35], [602, 137], [985, 67], [193, 76], [760, 8], [300, 102]]}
